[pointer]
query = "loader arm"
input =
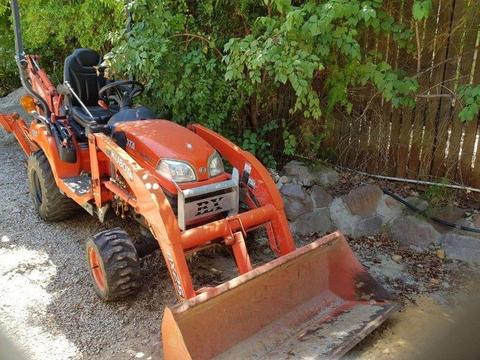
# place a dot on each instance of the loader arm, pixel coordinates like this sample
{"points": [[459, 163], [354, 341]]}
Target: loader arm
{"points": [[150, 201], [259, 182]]}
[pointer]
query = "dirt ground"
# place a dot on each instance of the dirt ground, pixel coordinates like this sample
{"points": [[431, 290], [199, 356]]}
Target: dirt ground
{"points": [[49, 309]]}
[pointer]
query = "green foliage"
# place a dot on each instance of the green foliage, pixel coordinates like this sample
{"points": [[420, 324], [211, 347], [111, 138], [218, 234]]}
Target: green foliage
{"points": [[421, 9], [8, 78], [297, 44], [439, 196], [256, 143], [470, 95], [177, 57], [229, 64], [52, 29]]}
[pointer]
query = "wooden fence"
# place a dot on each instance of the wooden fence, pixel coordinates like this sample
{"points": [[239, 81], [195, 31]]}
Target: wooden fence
{"points": [[428, 141]]}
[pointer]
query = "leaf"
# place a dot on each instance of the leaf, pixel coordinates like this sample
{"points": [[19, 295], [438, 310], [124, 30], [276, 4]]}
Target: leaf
{"points": [[283, 6], [421, 9]]}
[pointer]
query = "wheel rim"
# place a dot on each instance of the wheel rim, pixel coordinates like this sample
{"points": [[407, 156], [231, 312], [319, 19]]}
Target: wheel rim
{"points": [[96, 268], [37, 191]]}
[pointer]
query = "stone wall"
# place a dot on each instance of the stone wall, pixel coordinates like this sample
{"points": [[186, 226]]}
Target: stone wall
{"points": [[366, 211]]}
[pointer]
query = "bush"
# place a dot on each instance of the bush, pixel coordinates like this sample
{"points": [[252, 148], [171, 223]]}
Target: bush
{"points": [[261, 72]]}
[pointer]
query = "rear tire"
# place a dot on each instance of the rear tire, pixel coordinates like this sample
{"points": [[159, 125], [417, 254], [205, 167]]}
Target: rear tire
{"points": [[114, 264], [49, 202]]}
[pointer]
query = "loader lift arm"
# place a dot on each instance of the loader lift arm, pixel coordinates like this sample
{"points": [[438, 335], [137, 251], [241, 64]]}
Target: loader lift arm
{"points": [[150, 201]]}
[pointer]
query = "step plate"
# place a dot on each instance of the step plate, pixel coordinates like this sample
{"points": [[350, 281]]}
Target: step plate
{"points": [[80, 185]]}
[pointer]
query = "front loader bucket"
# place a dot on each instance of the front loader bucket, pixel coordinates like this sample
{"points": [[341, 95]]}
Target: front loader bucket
{"points": [[314, 303]]}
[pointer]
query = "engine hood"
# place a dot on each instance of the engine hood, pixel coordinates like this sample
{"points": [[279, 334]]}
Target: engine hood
{"points": [[153, 140]]}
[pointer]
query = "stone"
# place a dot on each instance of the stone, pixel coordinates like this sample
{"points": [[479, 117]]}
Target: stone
{"points": [[297, 201], [294, 191], [295, 208], [284, 179], [297, 169], [417, 202], [353, 225], [462, 247], [476, 220], [326, 176], [414, 232], [468, 223], [342, 218], [389, 208], [304, 176], [440, 253], [363, 200], [320, 197], [274, 174], [396, 258], [317, 221], [367, 226], [451, 214]]}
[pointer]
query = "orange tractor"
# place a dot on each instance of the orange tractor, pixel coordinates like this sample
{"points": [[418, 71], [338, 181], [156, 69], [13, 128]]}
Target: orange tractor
{"points": [[89, 146]]}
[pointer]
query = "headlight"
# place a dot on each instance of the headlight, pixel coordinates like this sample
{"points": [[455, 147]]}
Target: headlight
{"points": [[177, 171], [215, 165]]}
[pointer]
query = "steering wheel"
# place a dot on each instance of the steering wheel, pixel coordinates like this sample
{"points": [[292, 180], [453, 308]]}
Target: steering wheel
{"points": [[122, 92]]}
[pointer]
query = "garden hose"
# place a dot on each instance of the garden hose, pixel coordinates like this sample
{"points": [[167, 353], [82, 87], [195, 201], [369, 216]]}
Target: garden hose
{"points": [[430, 217]]}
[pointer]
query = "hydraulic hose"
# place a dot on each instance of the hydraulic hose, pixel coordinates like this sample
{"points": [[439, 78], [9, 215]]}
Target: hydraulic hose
{"points": [[430, 217]]}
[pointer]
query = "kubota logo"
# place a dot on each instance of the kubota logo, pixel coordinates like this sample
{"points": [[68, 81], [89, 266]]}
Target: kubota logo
{"points": [[175, 277], [117, 159], [208, 206]]}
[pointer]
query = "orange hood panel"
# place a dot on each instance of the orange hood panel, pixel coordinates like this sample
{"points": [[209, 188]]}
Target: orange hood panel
{"points": [[154, 140]]}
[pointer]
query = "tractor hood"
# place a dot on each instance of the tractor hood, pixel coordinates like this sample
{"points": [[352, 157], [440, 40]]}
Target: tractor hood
{"points": [[154, 140]]}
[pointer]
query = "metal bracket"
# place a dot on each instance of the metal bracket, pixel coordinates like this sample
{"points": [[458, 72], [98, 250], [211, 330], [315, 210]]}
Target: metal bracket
{"points": [[70, 89], [183, 214]]}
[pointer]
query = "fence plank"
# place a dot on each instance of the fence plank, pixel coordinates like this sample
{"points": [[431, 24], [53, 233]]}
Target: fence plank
{"points": [[406, 114], [360, 124], [475, 179], [426, 54], [440, 165], [378, 115], [468, 67], [455, 137], [433, 124], [403, 17]]}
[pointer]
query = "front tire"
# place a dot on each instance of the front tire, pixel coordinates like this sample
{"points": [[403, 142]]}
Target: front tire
{"points": [[114, 264], [49, 202]]}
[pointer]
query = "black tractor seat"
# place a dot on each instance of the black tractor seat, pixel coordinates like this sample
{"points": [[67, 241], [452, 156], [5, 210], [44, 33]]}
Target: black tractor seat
{"points": [[81, 71], [100, 115]]}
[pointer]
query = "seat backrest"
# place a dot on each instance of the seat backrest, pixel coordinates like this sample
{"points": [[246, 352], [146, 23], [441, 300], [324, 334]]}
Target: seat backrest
{"points": [[79, 70]]}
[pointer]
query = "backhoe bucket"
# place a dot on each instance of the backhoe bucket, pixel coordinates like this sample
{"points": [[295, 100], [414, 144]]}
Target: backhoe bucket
{"points": [[314, 303]]}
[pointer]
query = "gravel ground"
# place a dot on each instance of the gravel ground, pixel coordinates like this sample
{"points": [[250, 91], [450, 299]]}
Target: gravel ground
{"points": [[48, 306]]}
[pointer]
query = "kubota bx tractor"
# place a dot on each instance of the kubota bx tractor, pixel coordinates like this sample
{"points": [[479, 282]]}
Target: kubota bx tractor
{"points": [[89, 146]]}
